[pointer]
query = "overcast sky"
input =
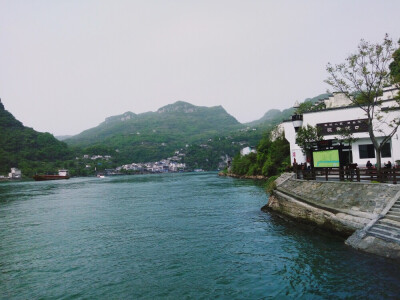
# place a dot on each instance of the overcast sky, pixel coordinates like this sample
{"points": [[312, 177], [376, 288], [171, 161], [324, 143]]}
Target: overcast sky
{"points": [[67, 65]]}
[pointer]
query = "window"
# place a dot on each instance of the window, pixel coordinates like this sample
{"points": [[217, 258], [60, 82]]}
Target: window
{"points": [[366, 151], [385, 152]]}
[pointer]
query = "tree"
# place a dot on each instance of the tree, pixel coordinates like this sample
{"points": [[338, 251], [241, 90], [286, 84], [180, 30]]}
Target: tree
{"points": [[307, 137], [308, 106], [304, 107], [362, 78], [395, 66]]}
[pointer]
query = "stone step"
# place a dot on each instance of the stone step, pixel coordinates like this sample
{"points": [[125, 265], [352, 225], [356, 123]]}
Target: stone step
{"points": [[388, 222], [393, 213], [395, 209], [386, 226], [384, 237], [387, 230], [393, 217]]}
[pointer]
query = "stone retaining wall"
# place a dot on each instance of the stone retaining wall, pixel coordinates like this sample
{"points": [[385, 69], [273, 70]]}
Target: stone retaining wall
{"points": [[342, 207]]}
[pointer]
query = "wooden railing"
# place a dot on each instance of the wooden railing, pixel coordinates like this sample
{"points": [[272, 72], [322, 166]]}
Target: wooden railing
{"points": [[349, 174]]}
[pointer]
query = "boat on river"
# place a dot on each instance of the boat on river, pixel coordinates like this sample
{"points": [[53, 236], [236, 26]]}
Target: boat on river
{"points": [[62, 174]]}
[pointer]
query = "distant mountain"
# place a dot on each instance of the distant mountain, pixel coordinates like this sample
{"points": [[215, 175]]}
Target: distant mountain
{"points": [[63, 137], [318, 98], [203, 135], [155, 135], [275, 116], [23, 147]]}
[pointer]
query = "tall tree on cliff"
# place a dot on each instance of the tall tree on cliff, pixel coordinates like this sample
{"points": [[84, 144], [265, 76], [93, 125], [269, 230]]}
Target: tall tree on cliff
{"points": [[362, 78]]}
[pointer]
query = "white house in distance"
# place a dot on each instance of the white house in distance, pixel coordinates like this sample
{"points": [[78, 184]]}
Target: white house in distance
{"points": [[15, 174], [340, 114], [247, 150]]}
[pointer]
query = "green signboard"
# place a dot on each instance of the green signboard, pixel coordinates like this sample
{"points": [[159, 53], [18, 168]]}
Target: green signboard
{"points": [[326, 159]]}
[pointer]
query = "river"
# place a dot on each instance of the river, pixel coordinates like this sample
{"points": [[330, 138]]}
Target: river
{"points": [[173, 236]]}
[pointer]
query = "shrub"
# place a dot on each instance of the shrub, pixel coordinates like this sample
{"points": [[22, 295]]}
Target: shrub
{"points": [[271, 184]]}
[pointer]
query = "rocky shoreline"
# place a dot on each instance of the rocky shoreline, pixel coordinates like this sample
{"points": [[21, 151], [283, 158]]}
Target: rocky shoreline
{"points": [[366, 213]]}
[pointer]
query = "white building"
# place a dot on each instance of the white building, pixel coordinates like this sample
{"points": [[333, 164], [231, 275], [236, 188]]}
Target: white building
{"points": [[15, 174], [340, 115], [247, 150]]}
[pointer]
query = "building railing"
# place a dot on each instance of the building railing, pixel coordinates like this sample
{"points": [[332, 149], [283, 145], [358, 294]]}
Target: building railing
{"points": [[385, 175]]}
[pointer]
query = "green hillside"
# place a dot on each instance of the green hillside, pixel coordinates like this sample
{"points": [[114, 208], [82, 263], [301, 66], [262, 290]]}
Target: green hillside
{"points": [[25, 148], [155, 135], [175, 121], [275, 116], [204, 135]]}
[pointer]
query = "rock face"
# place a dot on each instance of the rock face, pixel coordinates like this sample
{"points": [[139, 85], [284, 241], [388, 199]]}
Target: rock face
{"points": [[340, 223], [369, 213], [338, 206]]}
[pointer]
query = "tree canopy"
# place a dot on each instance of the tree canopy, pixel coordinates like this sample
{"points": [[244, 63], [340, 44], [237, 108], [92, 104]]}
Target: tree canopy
{"points": [[362, 78], [272, 158], [395, 66], [306, 138]]}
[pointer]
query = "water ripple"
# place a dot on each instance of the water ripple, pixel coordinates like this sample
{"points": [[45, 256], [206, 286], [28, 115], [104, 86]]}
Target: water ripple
{"points": [[171, 236]]}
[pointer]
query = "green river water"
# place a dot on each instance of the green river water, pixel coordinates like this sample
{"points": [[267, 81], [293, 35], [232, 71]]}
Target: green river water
{"points": [[171, 236]]}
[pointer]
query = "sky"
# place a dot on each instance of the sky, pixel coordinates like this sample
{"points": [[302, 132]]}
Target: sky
{"points": [[66, 65]]}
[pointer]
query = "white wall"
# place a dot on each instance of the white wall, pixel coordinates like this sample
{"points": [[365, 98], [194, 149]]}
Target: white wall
{"points": [[345, 114]]}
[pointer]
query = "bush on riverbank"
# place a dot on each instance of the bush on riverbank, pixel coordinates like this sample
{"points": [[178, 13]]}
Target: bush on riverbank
{"points": [[270, 184], [272, 158]]}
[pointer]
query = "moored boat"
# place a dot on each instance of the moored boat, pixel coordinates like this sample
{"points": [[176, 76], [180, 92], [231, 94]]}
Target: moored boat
{"points": [[62, 174]]}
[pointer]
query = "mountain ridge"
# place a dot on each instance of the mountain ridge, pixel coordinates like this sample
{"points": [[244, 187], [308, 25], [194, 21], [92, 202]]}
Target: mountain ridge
{"points": [[23, 147], [164, 118]]}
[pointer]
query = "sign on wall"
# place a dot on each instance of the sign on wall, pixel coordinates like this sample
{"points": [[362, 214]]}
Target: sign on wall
{"points": [[352, 126], [326, 159]]}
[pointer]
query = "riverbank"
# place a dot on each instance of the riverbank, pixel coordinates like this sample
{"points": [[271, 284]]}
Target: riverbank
{"points": [[366, 213]]}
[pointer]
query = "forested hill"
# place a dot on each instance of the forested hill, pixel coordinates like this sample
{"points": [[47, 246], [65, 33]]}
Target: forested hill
{"points": [[180, 121], [275, 116], [156, 135], [25, 148]]}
